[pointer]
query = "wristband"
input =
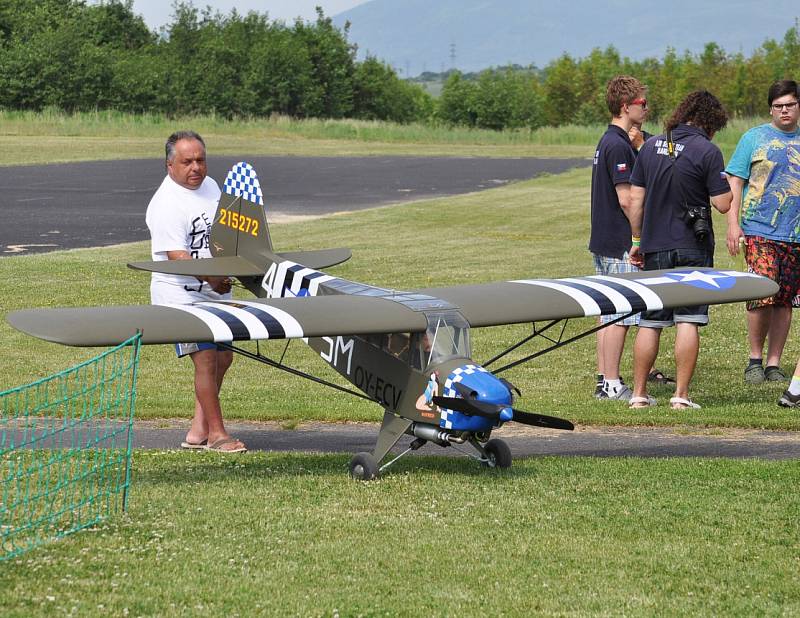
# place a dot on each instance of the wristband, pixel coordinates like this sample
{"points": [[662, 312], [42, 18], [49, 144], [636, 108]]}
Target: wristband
{"points": [[636, 241]]}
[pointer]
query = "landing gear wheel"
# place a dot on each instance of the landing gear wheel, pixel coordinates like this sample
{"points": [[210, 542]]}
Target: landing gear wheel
{"points": [[499, 454], [363, 467]]}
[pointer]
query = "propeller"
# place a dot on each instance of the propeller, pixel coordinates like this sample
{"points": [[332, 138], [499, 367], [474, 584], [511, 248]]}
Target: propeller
{"points": [[469, 404]]}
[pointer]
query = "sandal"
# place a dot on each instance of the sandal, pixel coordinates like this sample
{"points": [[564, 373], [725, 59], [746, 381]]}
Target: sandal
{"points": [[641, 402], [658, 377], [194, 446], [217, 447], [773, 373], [679, 403]]}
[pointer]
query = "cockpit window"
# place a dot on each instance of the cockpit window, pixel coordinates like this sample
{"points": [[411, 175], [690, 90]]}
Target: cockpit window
{"points": [[447, 336]]}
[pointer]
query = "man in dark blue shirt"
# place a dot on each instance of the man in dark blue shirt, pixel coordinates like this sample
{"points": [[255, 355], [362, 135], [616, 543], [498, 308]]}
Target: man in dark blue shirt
{"points": [[675, 176], [611, 232]]}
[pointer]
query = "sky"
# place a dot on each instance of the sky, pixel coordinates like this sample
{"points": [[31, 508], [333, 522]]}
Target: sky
{"points": [[157, 12]]}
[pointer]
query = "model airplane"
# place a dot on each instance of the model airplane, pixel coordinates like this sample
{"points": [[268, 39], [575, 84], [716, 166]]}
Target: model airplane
{"points": [[407, 351]]}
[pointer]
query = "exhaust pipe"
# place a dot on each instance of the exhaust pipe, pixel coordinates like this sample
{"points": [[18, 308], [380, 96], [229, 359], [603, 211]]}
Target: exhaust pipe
{"points": [[434, 434]]}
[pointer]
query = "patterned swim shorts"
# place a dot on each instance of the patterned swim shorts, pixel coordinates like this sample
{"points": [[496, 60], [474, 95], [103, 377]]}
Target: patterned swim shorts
{"points": [[780, 261]]}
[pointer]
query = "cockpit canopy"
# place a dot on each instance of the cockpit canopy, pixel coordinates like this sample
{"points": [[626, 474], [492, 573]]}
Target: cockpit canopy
{"points": [[447, 336]]}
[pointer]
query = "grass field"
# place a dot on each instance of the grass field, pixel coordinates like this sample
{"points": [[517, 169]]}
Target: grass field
{"points": [[289, 534], [28, 138]]}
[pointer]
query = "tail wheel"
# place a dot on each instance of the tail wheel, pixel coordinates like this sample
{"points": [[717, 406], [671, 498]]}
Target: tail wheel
{"points": [[364, 467], [499, 454]]}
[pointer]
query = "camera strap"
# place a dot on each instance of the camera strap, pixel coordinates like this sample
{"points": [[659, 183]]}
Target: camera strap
{"points": [[674, 169]]}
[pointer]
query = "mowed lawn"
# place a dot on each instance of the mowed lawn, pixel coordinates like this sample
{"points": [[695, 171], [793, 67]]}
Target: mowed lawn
{"points": [[290, 534]]}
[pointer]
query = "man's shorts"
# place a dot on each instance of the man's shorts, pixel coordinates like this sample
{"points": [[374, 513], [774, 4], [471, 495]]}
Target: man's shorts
{"points": [[614, 266], [183, 349], [676, 258], [780, 261]]}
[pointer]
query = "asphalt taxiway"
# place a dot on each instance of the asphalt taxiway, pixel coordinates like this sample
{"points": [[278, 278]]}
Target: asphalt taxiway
{"points": [[524, 441], [101, 203]]}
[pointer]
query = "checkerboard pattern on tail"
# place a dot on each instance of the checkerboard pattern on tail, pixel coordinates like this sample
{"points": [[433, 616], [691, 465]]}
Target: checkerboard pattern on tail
{"points": [[242, 182]]}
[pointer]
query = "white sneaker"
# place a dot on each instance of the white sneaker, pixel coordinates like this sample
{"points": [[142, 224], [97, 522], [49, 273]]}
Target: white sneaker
{"points": [[622, 393]]}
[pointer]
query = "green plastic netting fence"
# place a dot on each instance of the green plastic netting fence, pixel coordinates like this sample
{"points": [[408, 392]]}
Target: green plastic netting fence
{"points": [[65, 449]]}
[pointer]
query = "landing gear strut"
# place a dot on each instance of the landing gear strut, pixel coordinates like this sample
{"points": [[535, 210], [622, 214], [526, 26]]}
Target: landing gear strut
{"points": [[493, 453]]}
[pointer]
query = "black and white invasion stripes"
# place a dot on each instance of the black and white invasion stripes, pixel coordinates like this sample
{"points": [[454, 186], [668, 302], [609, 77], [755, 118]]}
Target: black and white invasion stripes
{"points": [[240, 320], [602, 295], [605, 295]]}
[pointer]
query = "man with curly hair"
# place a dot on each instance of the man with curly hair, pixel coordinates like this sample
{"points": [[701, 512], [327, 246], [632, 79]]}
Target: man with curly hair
{"points": [[675, 177], [765, 179], [611, 231]]}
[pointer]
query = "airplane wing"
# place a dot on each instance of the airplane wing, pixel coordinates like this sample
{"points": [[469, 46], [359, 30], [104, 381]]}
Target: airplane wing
{"points": [[221, 321], [491, 304], [532, 300]]}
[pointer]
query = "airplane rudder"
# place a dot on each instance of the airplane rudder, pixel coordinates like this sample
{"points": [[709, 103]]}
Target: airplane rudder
{"points": [[242, 212]]}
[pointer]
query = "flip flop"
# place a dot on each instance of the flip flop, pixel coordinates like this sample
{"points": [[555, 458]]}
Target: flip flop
{"points": [[217, 446], [658, 377], [636, 403], [194, 446], [679, 403]]}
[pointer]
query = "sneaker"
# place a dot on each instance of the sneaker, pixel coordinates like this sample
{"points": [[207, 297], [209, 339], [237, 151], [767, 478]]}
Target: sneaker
{"points": [[754, 374], [788, 400], [599, 393], [623, 393], [773, 373]]}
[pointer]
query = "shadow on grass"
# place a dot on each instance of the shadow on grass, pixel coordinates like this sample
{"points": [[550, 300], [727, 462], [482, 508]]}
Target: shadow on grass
{"points": [[171, 469]]}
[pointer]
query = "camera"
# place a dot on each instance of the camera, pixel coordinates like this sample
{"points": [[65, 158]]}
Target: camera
{"points": [[699, 218]]}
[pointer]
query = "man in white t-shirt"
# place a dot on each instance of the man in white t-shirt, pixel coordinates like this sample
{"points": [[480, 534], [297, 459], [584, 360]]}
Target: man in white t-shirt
{"points": [[179, 218]]}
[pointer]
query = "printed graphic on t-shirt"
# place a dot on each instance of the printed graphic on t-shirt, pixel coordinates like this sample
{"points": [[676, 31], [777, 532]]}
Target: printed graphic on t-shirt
{"points": [[198, 235], [662, 148], [773, 198]]}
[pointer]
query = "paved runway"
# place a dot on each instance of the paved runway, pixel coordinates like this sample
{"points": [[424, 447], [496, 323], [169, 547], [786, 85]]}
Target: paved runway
{"points": [[524, 441], [103, 203]]}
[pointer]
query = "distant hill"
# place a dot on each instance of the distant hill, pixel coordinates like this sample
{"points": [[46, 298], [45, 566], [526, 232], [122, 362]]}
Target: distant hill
{"points": [[416, 35]]}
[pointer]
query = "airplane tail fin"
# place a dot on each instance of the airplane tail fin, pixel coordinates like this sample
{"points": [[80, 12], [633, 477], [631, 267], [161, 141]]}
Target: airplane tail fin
{"points": [[240, 240], [240, 227]]}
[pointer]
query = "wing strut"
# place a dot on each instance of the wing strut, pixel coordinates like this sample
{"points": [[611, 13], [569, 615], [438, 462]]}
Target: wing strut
{"points": [[557, 343], [258, 356]]}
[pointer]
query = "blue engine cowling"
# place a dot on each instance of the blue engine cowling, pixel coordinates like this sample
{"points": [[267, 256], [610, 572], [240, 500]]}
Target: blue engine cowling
{"points": [[489, 389]]}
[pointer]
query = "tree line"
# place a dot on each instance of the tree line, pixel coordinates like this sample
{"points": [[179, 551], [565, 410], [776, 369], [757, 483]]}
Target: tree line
{"points": [[572, 90], [78, 57]]}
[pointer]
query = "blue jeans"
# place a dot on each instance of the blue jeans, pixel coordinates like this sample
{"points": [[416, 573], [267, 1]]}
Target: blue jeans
{"points": [[676, 258]]}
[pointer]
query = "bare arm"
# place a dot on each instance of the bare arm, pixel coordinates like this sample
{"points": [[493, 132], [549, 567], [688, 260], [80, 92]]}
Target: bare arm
{"points": [[635, 210], [635, 213], [722, 202], [624, 197], [179, 255], [734, 229]]}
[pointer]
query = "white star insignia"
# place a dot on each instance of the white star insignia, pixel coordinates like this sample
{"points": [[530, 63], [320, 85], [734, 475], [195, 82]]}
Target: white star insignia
{"points": [[696, 275]]}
